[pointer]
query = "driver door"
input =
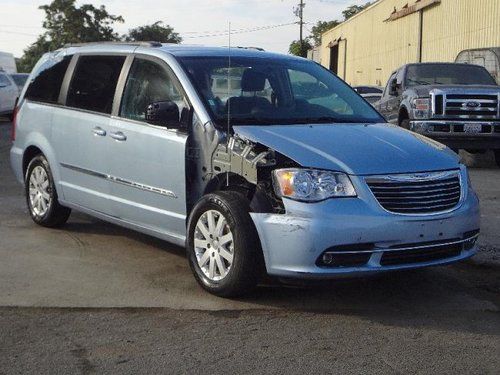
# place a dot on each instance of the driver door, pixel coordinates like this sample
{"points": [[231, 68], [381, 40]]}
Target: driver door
{"points": [[385, 102], [147, 162]]}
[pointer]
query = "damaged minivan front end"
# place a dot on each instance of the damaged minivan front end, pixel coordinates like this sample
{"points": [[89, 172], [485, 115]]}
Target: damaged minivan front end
{"points": [[331, 189], [369, 221]]}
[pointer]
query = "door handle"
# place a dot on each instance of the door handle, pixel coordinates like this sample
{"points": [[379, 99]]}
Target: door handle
{"points": [[119, 136], [99, 131]]}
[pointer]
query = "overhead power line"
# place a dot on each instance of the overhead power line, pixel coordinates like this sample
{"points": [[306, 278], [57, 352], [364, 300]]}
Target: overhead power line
{"points": [[237, 31]]}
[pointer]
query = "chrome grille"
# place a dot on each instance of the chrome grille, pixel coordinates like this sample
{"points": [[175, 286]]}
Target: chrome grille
{"points": [[483, 106], [420, 193]]}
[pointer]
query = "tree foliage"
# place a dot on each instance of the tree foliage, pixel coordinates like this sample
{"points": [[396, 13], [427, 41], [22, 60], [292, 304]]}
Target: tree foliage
{"points": [[155, 32], [298, 49], [321, 27], [66, 23], [353, 10]]}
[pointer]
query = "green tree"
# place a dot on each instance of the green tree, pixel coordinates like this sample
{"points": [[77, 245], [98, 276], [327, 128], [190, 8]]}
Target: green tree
{"points": [[298, 49], [66, 23], [156, 32], [321, 27], [354, 9]]}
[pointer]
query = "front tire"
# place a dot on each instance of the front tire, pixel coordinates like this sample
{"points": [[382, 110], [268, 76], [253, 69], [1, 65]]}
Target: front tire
{"points": [[223, 246], [405, 123], [41, 195]]}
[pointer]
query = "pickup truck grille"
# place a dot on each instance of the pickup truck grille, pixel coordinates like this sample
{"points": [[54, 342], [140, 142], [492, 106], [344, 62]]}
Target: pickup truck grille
{"points": [[472, 106], [421, 193]]}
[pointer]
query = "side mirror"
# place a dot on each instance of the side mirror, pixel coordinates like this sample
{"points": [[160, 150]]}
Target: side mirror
{"points": [[163, 114], [393, 88]]}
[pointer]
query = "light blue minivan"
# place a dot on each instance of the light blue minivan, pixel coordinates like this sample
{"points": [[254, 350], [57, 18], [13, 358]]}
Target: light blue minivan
{"points": [[255, 162]]}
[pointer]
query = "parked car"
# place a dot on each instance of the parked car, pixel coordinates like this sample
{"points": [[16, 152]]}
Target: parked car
{"points": [[9, 92], [310, 184], [372, 94], [19, 79], [489, 58], [8, 62], [455, 104]]}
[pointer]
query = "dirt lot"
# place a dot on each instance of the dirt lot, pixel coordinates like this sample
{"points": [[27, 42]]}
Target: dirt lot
{"points": [[96, 298]]}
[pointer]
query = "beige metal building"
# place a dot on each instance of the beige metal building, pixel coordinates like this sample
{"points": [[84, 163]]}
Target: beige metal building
{"points": [[366, 48]]}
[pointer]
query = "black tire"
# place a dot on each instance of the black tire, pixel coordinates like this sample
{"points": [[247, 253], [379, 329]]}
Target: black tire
{"points": [[405, 123], [55, 215], [247, 266], [497, 156]]}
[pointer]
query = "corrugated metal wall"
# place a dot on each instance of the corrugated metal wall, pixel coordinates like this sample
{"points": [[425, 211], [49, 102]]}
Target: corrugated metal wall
{"points": [[375, 47]]}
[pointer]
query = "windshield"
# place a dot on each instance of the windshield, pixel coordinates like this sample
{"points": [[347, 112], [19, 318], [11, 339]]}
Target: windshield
{"points": [[266, 91], [447, 74]]}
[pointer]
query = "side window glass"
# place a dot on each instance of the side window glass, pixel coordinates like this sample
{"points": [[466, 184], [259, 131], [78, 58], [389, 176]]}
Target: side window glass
{"points": [[386, 91], [94, 82], [148, 82], [399, 76], [46, 83]]}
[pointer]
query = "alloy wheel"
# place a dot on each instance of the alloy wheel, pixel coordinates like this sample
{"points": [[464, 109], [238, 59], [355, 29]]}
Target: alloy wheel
{"points": [[39, 191], [213, 245]]}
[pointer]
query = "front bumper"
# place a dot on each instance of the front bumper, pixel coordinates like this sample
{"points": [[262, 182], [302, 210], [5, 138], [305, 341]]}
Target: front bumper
{"points": [[293, 243], [451, 133]]}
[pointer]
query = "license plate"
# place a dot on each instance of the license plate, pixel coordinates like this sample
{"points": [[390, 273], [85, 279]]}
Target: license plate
{"points": [[472, 128]]}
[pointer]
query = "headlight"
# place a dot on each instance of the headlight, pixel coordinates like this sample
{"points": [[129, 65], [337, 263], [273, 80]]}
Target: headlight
{"points": [[421, 104], [311, 185], [421, 107]]}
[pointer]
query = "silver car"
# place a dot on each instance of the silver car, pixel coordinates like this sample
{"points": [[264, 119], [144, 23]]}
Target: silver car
{"points": [[255, 162]]}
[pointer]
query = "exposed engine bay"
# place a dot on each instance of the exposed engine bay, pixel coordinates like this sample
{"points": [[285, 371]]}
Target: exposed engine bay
{"points": [[216, 162]]}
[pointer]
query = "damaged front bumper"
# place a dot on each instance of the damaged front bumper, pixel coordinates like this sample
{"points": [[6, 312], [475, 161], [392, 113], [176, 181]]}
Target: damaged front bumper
{"points": [[357, 236]]}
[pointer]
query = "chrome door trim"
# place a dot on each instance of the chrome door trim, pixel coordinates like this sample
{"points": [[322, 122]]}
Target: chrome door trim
{"points": [[122, 181]]}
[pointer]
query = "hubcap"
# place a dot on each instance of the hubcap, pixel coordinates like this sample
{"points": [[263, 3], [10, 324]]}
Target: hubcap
{"points": [[213, 245], [39, 191]]}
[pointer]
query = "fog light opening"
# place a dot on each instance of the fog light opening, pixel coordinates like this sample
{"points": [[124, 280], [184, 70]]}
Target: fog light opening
{"points": [[469, 244], [327, 258]]}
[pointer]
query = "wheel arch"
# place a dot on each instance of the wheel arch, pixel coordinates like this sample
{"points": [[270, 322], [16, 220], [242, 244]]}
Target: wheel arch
{"points": [[37, 144], [403, 114], [257, 200]]}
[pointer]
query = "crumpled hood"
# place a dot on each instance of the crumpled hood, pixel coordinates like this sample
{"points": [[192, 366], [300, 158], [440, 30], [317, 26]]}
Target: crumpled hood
{"points": [[359, 149]]}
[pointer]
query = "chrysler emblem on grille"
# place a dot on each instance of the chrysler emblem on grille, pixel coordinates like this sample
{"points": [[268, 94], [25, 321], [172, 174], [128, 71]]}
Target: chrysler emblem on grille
{"points": [[471, 104]]}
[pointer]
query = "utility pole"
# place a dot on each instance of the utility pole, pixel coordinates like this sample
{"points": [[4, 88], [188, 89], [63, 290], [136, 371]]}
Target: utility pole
{"points": [[299, 12]]}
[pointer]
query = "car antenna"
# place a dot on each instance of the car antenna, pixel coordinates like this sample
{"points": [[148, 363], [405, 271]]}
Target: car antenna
{"points": [[228, 96]]}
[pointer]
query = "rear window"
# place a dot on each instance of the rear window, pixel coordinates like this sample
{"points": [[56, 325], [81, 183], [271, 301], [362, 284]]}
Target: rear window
{"points": [[47, 81], [94, 82]]}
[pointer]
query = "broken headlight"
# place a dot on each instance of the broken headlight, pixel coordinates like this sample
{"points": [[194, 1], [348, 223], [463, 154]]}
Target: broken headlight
{"points": [[311, 185]]}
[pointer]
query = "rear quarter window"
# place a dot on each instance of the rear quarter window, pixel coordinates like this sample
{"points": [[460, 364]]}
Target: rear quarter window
{"points": [[94, 83], [47, 81]]}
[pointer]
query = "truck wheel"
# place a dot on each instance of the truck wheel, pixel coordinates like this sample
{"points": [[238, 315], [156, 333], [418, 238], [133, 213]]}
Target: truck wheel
{"points": [[223, 246], [41, 195], [405, 123], [497, 156]]}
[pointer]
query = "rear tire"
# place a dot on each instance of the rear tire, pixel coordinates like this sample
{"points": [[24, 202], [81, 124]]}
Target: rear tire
{"points": [[41, 195], [497, 156], [223, 247]]}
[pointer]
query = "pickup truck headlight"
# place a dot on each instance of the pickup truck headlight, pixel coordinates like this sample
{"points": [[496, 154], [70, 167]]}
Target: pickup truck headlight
{"points": [[311, 185], [421, 107]]}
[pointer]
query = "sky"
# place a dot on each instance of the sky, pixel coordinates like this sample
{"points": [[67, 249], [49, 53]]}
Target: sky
{"points": [[198, 21]]}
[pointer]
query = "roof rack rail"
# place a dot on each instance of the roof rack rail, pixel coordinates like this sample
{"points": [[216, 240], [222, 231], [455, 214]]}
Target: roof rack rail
{"points": [[138, 44]]}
